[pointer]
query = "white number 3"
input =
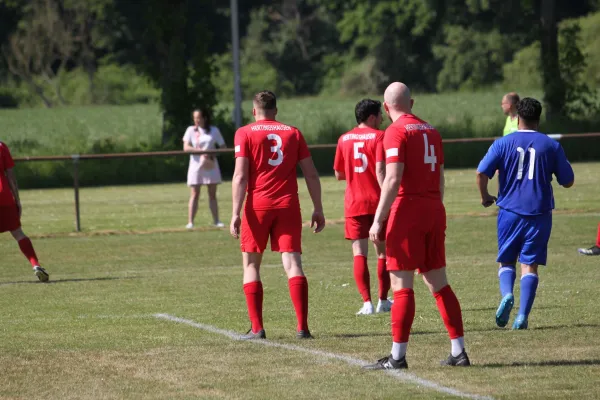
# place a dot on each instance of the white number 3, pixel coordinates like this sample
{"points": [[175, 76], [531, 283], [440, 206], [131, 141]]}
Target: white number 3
{"points": [[429, 158], [360, 156], [276, 149]]}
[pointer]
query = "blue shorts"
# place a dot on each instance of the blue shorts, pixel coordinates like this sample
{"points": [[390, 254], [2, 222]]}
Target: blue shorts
{"points": [[523, 238]]}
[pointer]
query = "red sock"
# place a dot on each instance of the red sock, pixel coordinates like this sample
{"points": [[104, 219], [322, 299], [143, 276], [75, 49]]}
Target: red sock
{"points": [[362, 278], [299, 293], [254, 301], [598, 237], [384, 279], [449, 308], [28, 251], [403, 314]]}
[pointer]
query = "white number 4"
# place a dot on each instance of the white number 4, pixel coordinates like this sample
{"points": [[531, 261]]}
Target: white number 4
{"points": [[522, 161], [430, 158], [360, 156]]}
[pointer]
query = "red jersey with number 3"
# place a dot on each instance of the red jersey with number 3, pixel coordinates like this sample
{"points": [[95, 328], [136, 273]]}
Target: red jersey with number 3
{"points": [[6, 162], [418, 145], [274, 150], [356, 155]]}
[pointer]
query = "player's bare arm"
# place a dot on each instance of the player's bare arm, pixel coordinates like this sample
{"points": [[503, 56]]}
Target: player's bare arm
{"points": [[442, 182], [340, 175], [313, 184], [389, 191], [380, 170], [238, 193], [482, 182], [14, 188]]}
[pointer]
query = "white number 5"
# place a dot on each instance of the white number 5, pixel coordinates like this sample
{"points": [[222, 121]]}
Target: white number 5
{"points": [[276, 149], [429, 158], [360, 156]]}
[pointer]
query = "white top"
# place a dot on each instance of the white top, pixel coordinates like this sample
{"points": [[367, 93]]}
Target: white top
{"points": [[202, 140]]}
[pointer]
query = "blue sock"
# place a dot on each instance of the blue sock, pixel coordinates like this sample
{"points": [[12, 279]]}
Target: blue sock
{"points": [[529, 284], [506, 276]]}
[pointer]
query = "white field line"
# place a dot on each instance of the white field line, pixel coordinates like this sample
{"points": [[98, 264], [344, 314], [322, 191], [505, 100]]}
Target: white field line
{"points": [[400, 375]]}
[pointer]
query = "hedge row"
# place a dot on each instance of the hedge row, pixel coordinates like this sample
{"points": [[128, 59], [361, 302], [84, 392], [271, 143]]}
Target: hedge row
{"points": [[45, 174]]}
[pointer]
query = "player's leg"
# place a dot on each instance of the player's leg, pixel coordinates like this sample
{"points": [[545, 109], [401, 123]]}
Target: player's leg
{"points": [[214, 205], [594, 250], [360, 251], [286, 238], [357, 230], [534, 252], [405, 250], [434, 276], [254, 237], [298, 287], [529, 284], [384, 304], [29, 252], [193, 205], [402, 317], [253, 290], [450, 311], [510, 228]]}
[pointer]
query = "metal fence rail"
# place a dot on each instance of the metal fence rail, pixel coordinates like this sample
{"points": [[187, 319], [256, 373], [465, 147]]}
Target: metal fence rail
{"points": [[76, 158]]}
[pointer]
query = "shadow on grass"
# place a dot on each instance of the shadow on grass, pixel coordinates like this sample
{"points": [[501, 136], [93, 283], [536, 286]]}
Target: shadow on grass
{"points": [[53, 281], [443, 332], [549, 363]]}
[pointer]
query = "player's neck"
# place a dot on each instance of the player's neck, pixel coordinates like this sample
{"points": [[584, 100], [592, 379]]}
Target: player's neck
{"points": [[260, 117], [512, 115], [364, 125], [395, 115]]}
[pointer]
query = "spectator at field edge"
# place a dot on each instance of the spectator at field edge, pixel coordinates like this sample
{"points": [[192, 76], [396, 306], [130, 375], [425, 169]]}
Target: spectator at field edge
{"points": [[594, 250], [204, 168], [11, 210], [509, 107]]}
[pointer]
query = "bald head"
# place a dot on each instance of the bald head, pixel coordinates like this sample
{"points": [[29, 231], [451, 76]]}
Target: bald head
{"points": [[397, 99]]}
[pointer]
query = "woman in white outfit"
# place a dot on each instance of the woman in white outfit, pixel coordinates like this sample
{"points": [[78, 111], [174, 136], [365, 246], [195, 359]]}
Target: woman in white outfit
{"points": [[203, 169]]}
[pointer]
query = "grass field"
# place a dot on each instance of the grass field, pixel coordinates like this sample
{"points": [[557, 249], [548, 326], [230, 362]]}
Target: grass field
{"points": [[92, 332], [75, 129]]}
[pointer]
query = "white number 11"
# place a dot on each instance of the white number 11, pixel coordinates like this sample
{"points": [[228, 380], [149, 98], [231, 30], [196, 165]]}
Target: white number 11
{"points": [[522, 161]]}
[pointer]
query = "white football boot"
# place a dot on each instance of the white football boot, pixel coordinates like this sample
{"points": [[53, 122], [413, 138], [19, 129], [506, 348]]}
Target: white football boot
{"points": [[367, 309]]}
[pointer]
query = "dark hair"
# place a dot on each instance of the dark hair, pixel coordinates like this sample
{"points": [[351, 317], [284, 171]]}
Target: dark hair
{"points": [[205, 115], [529, 109], [265, 100], [365, 108], [512, 98]]}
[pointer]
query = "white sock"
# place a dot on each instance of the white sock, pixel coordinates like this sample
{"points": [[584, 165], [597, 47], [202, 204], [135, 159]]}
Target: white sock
{"points": [[398, 350], [458, 345]]}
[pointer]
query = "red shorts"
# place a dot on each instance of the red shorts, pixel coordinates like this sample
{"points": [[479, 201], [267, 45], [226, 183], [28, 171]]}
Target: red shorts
{"points": [[283, 225], [9, 218], [416, 235], [358, 227]]}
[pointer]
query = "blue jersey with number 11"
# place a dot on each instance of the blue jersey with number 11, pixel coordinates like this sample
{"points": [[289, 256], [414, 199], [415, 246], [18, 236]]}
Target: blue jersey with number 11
{"points": [[526, 161]]}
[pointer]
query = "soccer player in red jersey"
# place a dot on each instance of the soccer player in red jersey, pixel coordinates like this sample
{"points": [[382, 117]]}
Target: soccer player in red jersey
{"points": [[594, 250], [267, 153], [413, 189], [10, 211], [360, 161]]}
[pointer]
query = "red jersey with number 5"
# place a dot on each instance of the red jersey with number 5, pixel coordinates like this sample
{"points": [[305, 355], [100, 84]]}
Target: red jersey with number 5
{"points": [[418, 145], [356, 155], [274, 150]]}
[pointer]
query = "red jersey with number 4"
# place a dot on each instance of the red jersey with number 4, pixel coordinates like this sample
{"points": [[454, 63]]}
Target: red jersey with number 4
{"points": [[273, 149], [418, 145], [6, 162], [356, 155]]}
